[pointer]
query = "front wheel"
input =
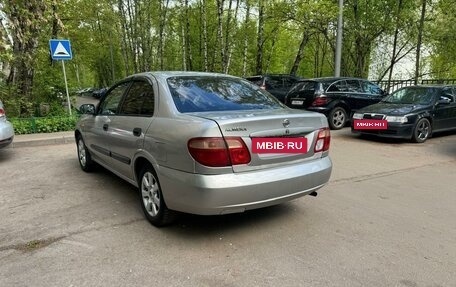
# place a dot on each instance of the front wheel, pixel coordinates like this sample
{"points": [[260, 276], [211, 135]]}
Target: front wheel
{"points": [[337, 118], [152, 202], [421, 131]]}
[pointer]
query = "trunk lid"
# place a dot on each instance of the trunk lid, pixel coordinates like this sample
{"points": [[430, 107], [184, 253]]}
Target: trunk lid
{"points": [[280, 123]]}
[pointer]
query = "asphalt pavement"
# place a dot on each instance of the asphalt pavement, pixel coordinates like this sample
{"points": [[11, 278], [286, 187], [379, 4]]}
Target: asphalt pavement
{"points": [[386, 218]]}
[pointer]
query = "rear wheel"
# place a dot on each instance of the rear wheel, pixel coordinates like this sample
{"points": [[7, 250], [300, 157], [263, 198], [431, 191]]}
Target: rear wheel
{"points": [[422, 131], [84, 157], [337, 118], [152, 202]]}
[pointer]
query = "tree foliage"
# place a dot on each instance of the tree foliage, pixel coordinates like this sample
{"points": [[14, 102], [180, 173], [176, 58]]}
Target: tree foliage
{"points": [[114, 38]]}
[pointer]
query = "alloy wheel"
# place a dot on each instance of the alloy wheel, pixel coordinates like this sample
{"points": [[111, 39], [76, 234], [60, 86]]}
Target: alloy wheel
{"points": [[423, 130], [338, 118], [150, 194], [82, 153]]}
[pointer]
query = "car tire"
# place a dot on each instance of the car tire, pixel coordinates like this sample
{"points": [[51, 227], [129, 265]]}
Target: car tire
{"points": [[84, 156], [422, 130], [337, 118], [151, 197]]}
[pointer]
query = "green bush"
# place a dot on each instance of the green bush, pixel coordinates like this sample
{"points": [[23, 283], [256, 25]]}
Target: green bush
{"points": [[43, 125]]}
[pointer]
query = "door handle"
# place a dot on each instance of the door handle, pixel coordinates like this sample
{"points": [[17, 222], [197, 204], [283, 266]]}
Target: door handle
{"points": [[105, 127], [137, 132]]}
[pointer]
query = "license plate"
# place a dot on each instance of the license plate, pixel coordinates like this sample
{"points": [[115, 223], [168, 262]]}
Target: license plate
{"points": [[370, 125], [295, 102], [279, 145]]}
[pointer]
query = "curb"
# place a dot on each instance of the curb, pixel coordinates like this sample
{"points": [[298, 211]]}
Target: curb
{"points": [[41, 140]]}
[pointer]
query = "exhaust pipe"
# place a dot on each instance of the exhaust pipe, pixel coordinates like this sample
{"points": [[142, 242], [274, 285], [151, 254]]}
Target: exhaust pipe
{"points": [[313, 193]]}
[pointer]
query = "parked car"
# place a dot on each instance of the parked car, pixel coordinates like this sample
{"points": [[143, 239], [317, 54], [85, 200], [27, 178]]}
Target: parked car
{"points": [[86, 92], [97, 94], [413, 113], [336, 97], [276, 84], [6, 128], [203, 143]]}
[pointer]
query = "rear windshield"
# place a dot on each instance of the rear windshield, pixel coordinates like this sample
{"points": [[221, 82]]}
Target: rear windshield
{"points": [[304, 86], [206, 93]]}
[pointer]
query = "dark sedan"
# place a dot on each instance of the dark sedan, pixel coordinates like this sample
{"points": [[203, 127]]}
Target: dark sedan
{"points": [[277, 85], [336, 97], [413, 113]]}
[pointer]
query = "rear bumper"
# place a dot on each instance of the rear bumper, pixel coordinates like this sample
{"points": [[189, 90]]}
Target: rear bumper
{"points": [[237, 192], [6, 133], [395, 130], [323, 110]]}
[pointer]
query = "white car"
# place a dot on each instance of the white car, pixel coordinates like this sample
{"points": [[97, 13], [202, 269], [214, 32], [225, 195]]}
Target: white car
{"points": [[6, 128]]}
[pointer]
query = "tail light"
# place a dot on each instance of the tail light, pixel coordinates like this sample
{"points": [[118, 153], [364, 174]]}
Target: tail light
{"points": [[2, 112], [320, 101], [323, 140], [218, 151]]}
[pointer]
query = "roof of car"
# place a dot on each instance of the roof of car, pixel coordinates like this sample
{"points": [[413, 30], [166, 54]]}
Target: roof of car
{"points": [[432, 86], [168, 74], [331, 79], [272, 75]]}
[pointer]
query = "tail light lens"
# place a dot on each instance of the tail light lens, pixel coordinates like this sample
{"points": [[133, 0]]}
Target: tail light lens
{"points": [[218, 152], [320, 101], [323, 140], [2, 112]]}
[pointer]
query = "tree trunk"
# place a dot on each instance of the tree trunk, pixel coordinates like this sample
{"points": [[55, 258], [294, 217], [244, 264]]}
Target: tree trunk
{"points": [[161, 29], [419, 41], [188, 47], [396, 34], [227, 39], [260, 39], [205, 60], [246, 38], [124, 31], [219, 41], [300, 53], [230, 47], [26, 22]]}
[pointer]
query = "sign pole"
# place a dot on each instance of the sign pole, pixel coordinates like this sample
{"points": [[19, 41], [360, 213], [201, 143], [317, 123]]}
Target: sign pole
{"points": [[61, 50], [66, 87]]}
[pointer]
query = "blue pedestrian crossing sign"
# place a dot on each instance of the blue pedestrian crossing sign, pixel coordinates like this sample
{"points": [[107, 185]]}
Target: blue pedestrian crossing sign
{"points": [[60, 49]]}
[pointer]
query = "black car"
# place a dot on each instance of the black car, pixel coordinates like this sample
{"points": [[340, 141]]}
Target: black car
{"points": [[413, 112], [276, 84], [336, 97]]}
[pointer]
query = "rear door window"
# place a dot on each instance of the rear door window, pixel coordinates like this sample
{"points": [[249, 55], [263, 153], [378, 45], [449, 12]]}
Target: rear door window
{"points": [[339, 86], [353, 86], [203, 94], [139, 100], [370, 88]]}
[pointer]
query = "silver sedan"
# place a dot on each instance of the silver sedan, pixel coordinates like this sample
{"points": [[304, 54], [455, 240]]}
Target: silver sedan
{"points": [[6, 128], [203, 143]]}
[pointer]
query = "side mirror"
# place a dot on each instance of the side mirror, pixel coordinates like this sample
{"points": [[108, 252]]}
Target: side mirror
{"points": [[88, 109]]}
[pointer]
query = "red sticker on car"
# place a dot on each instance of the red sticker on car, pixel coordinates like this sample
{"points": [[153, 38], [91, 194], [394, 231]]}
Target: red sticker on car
{"points": [[279, 145], [370, 124]]}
